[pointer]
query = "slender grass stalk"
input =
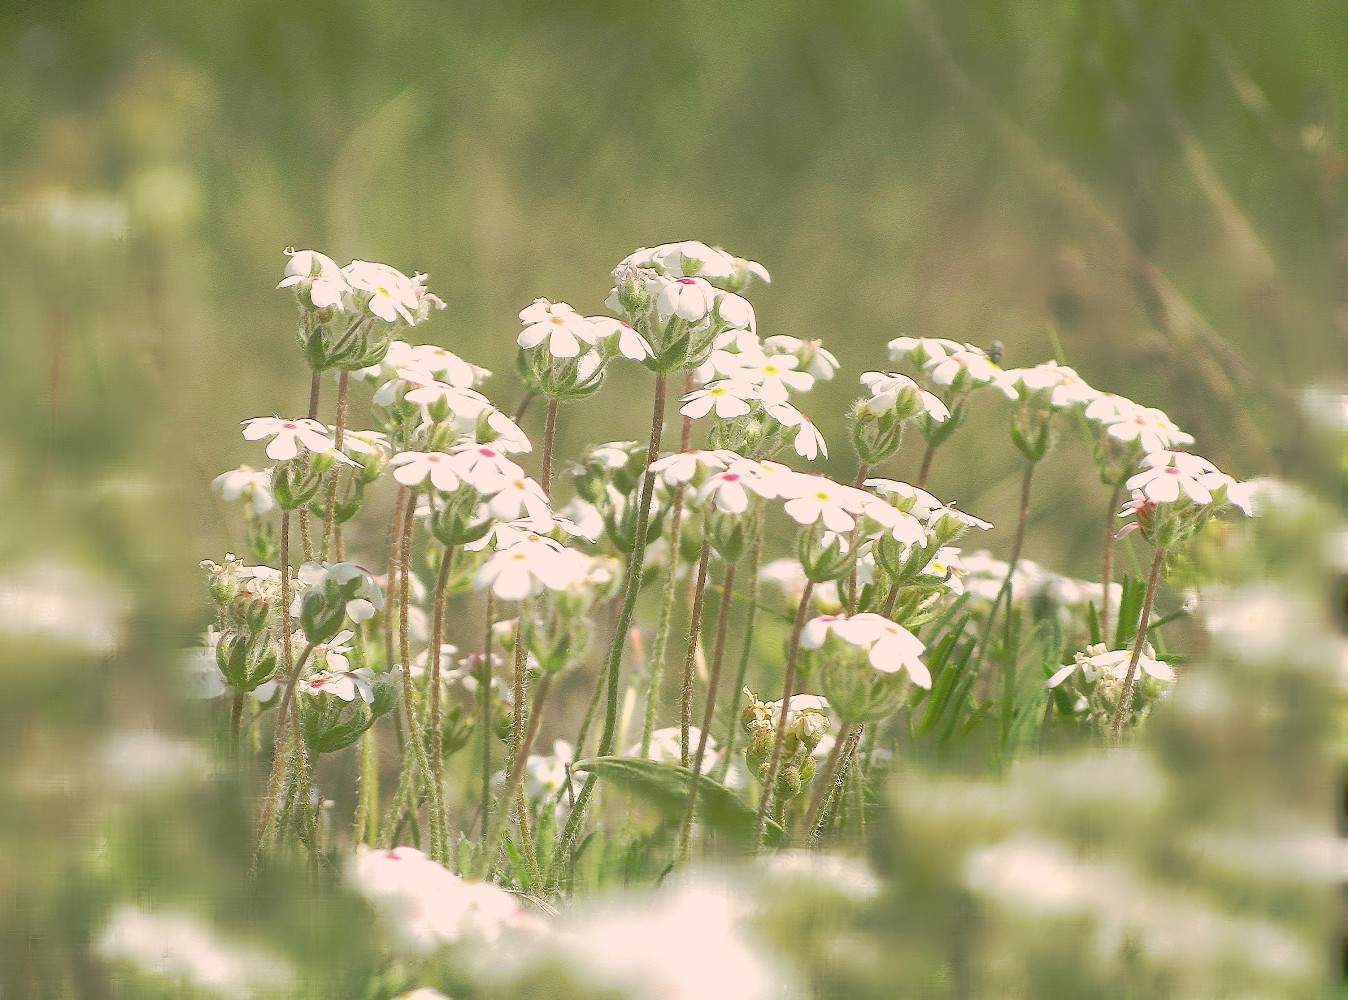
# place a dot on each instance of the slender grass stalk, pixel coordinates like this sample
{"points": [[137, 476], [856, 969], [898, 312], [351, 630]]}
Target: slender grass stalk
{"points": [[1121, 713], [690, 659], [788, 689], [708, 713], [1107, 569], [635, 563]]}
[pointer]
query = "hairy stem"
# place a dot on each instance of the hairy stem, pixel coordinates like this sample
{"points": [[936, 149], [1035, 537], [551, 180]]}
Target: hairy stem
{"points": [[713, 682], [824, 781], [746, 652], [484, 710], [666, 620], [635, 563], [779, 738], [1126, 697], [690, 659]]}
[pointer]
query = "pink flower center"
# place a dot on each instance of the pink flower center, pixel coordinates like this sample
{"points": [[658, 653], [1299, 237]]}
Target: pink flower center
{"points": [[730, 477], [288, 426], [686, 281], [486, 452], [432, 458]]}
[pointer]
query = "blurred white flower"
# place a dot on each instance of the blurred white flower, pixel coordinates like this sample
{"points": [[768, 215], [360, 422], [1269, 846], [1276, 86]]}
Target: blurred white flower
{"points": [[183, 949], [251, 484]]}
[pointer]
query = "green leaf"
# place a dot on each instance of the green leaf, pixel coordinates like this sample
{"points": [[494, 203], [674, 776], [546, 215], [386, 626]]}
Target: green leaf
{"points": [[666, 786]]}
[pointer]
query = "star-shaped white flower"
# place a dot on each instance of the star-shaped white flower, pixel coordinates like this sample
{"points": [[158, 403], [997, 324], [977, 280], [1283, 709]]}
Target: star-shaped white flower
{"points": [[688, 298], [412, 468], [251, 484], [631, 344], [557, 324], [1167, 474], [808, 443], [393, 295], [811, 499], [729, 398], [529, 566], [288, 437], [320, 274]]}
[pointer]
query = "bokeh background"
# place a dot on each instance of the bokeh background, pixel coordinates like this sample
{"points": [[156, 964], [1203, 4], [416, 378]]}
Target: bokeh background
{"points": [[1160, 186]]}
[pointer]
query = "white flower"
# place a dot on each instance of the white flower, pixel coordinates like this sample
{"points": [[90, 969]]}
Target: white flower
{"points": [[508, 435], [631, 344], [667, 746], [484, 468], [975, 364], [728, 397], [818, 361], [808, 443], [903, 527], [320, 274], [393, 295], [345, 684], [810, 499], [428, 907], [435, 363], [924, 349], [1063, 385], [460, 401], [369, 597], [557, 324], [180, 948], [520, 496], [1148, 426], [1168, 473], [888, 388], [412, 468], [334, 651], [688, 298], [684, 466], [528, 566], [889, 647], [289, 436], [775, 375], [245, 481], [1097, 661], [731, 488], [735, 312]]}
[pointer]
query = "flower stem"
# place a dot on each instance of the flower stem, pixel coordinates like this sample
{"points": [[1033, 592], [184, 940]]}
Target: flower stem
{"points": [[367, 802], [433, 665], [1107, 570], [1004, 591], [339, 438], [635, 563], [925, 471], [666, 620], [549, 436], [484, 710], [788, 689], [391, 604], [496, 834], [690, 659], [746, 651], [414, 736], [1121, 713], [713, 682], [824, 791]]}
